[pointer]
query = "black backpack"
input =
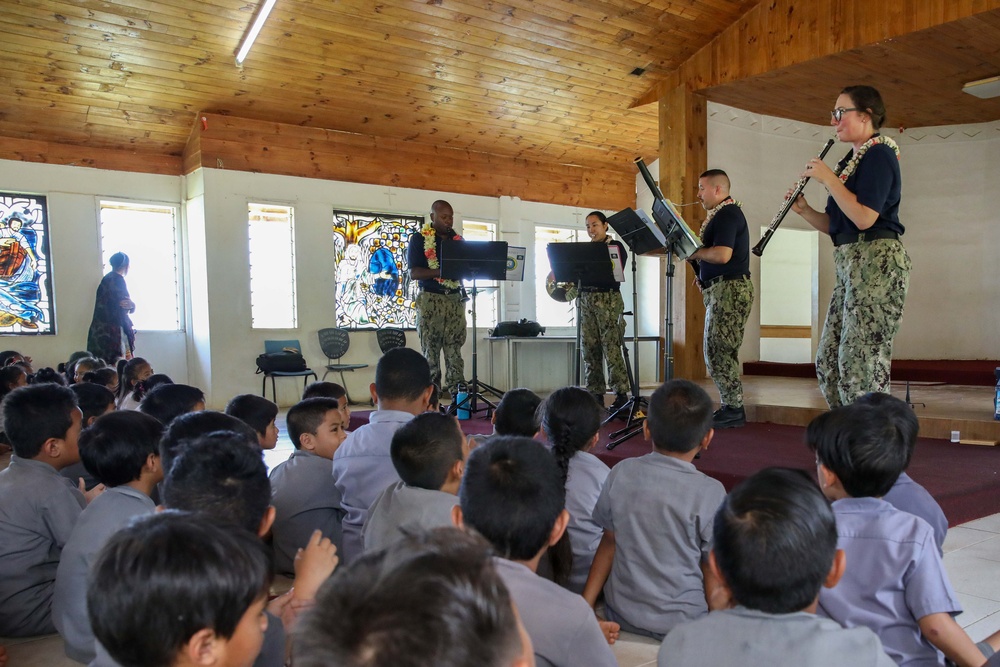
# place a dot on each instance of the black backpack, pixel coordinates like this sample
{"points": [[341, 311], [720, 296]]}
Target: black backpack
{"points": [[523, 328], [286, 361]]}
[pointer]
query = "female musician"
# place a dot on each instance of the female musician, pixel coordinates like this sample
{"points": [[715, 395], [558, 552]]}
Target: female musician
{"points": [[872, 267]]}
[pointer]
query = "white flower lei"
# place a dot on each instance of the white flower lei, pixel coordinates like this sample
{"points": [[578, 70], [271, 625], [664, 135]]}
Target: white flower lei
{"points": [[851, 166], [430, 252], [715, 209]]}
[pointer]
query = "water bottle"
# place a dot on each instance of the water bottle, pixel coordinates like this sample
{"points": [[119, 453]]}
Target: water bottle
{"points": [[462, 400], [996, 398]]}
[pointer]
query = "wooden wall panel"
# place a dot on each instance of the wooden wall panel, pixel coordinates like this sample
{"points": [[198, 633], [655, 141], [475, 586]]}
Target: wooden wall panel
{"points": [[49, 152]]}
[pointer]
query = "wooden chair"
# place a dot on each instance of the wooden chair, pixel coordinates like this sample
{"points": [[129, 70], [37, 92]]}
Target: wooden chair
{"points": [[273, 346], [335, 343]]}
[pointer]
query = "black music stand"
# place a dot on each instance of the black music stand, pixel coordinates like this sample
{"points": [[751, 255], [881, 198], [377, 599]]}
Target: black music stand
{"points": [[586, 264], [473, 260]]}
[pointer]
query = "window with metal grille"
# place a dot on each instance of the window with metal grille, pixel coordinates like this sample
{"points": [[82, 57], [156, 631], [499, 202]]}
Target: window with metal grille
{"points": [[272, 266]]}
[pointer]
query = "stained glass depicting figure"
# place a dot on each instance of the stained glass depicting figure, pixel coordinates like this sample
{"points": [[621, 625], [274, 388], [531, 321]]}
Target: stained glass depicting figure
{"points": [[25, 281]]}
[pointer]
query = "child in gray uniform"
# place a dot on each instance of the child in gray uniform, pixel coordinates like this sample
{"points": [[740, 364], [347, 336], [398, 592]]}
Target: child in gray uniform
{"points": [[429, 453], [657, 513], [774, 547]]}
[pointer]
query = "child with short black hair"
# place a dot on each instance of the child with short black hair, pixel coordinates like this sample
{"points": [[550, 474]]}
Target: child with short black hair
{"points": [[176, 589], [429, 453], [302, 492], [517, 413], [774, 547], [106, 377], [121, 449], [169, 401], [898, 586], [94, 401], [513, 495], [260, 414], [332, 390], [193, 425], [38, 507], [657, 513]]}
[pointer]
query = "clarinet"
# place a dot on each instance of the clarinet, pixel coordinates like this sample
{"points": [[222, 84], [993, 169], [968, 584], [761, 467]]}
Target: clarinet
{"points": [[787, 206]]}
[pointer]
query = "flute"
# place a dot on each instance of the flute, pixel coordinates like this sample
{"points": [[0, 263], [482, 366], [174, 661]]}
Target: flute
{"points": [[786, 206]]}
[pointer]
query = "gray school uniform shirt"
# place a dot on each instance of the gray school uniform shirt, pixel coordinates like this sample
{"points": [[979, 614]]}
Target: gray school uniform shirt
{"points": [[562, 626], [584, 482], [401, 507], [305, 499], [38, 509], [362, 469], [894, 578], [909, 496], [661, 511], [744, 636], [105, 516]]}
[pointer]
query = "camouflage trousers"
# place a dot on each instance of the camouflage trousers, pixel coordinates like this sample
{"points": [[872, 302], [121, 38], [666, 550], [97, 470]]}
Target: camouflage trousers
{"points": [[727, 307], [441, 327], [602, 329], [855, 348]]}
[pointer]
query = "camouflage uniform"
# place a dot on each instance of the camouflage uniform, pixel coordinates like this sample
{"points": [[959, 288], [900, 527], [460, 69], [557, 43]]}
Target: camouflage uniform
{"points": [[855, 349], [441, 326], [602, 329], [727, 307]]}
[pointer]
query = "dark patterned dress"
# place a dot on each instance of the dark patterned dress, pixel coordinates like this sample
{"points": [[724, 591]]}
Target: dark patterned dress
{"points": [[111, 334]]}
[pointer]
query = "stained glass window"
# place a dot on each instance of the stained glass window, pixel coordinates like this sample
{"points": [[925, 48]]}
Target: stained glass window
{"points": [[373, 282], [25, 272]]}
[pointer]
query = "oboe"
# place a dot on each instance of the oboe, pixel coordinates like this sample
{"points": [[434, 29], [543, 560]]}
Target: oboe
{"points": [[787, 206]]}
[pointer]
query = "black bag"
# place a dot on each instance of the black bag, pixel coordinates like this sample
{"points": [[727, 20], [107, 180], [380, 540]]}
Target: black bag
{"points": [[286, 361], [523, 328]]}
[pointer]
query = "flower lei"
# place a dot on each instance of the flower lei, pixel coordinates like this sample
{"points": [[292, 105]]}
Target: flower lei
{"points": [[851, 166], [715, 209], [430, 252]]}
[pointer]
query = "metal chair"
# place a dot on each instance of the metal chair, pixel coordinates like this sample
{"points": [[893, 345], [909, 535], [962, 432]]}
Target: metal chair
{"points": [[390, 338], [273, 346], [335, 343]]}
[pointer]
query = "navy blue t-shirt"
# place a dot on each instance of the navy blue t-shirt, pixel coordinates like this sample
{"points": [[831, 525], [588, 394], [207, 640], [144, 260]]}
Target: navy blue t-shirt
{"points": [[877, 184], [415, 258], [728, 227]]}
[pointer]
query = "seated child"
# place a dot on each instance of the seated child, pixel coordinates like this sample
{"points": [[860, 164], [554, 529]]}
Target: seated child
{"points": [[429, 454], [517, 414], [906, 494], [176, 589], [193, 425], [362, 467], [94, 401], [657, 513], [38, 507], [12, 376], [260, 414], [84, 366], [513, 495], [330, 390], [121, 448], [302, 492], [47, 376], [571, 421], [134, 398], [131, 373], [169, 401], [398, 607], [106, 377], [895, 583], [774, 547]]}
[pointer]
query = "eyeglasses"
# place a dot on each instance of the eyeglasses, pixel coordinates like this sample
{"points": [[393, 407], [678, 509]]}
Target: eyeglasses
{"points": [[839, 112]]}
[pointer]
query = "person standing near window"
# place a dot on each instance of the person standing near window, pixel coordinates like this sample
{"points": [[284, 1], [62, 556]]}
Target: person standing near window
{"points": [[112, 336]]}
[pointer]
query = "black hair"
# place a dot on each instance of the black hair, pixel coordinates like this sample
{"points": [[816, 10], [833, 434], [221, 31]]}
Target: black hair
{"points": [[169, 401], [92, 399], [155, 380], [599, 215], [902, 416], [67, 368], [861, 446], [34, 414], [128, 375], [717, 173], [8, 357], [679, 416], [774, 540], [570, 418], [196, 424], [324, 390], [434, 401], [86, 364], [256, 411], [432, 598], [116, 446], [8, 376], [167, 576], [118, 260], [48, 375], [517, 413], [867, 100], [402, 374], [217, 474], [102, 376], [425, 448], [306, 417], [512, 493]]}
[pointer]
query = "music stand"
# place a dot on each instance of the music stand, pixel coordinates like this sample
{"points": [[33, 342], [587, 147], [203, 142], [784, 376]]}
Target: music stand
{"points": [[472, 260], [586, 264]]}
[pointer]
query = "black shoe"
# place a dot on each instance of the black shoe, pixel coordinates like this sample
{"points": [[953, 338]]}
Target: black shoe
{"points": [[620, 400], [728, 417], [599, 398]]}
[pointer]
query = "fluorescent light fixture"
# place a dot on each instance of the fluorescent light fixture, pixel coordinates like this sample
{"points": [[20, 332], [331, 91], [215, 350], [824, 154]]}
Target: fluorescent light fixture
{"points": [[251, 35], [984, 88]]}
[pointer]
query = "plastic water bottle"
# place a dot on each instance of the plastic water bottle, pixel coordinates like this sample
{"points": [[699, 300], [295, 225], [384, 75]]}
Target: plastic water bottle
{"points": [[462, 400], [996, 398]]}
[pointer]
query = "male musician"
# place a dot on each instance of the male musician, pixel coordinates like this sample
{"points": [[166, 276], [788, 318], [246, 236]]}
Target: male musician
{"points": [[724, 278], [602, 325], [440, 310]]}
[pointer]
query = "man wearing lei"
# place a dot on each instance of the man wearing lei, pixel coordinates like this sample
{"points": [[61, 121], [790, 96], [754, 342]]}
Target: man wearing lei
{"points": [[723, 265], [440, 310], [872, 266]]}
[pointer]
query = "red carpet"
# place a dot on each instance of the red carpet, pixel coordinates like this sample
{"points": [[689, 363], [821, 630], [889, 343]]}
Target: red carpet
{"points": [[964, 479], [965, 372]]}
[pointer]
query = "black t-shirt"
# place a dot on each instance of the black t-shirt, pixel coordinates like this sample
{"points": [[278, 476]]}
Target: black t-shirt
{"points": [[415, 258], [877, 184], [727, 228], [614, 285]]}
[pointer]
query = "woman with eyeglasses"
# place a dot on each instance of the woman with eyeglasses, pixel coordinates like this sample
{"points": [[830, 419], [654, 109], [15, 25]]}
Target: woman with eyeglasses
{"points": [[872, 267]]}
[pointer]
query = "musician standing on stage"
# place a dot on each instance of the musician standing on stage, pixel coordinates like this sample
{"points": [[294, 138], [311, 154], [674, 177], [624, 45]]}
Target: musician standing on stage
{"points": [[724, 277], [441, 322], [602, 324], [872, 267]]}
